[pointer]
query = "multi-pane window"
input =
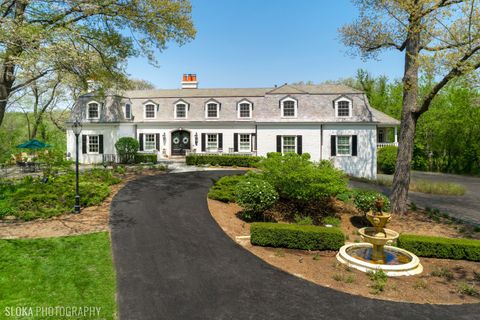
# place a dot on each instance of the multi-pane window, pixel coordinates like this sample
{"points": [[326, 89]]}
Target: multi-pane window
{"points": [[289, 144], [149, 141], [212, 141], [244, 142], [343, 109], [128, 111], [343, 145], [181, 110], [244, 111], [289, 108], [93, 144], [212, 110], [93, 111], [150, 111]]}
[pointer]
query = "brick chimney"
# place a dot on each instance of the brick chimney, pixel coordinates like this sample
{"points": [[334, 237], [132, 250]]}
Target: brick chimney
{"points": [[189, 81]]}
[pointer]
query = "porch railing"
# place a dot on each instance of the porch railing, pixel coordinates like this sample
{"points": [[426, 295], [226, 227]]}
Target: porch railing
{"points": [[384, 144]]}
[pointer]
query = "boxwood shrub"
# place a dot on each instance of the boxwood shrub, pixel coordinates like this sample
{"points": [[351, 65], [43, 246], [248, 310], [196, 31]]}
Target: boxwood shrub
{"points": [[443, 248], [145, 158], [225, 188], [295, 236], [223, 160]]}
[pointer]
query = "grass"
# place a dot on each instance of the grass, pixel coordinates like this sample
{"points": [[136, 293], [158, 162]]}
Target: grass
{"points": [[423, 186], [442, 273], [468, 289], [66, 271]]}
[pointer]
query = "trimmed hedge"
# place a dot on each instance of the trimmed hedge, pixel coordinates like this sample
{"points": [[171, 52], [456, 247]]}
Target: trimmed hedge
{"points": [[145, 158], [443, 248], [293, 236], [223, 160]]}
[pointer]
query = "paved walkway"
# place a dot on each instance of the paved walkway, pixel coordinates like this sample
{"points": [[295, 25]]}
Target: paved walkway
{"points": [[466, 207], [174, 262]]}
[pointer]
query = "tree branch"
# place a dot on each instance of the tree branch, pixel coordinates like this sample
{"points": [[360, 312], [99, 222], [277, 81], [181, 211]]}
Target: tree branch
{"points": [[26, 83]]}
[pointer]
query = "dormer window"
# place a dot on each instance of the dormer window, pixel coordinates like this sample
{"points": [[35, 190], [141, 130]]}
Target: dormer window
{"points": [[244, 108], [93, 111], [181, 110], [212, 110], [128, 111], [343, 107], [288, 108], [150, 111]]}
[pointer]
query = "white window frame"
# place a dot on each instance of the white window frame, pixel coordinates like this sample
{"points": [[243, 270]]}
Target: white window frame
{"points": [[295, 106], [206, 109], [88, 143], [186, 110], [145, 142], [91, 103], [145, 111], [207, 148], [125, 110], [296, 143], [250, 109], [249, 142], [349, 145], [343, 99]]}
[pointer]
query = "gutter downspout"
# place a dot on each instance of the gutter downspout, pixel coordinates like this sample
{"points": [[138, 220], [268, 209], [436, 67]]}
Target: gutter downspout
{"points": [[256, 139], [321, 142]]}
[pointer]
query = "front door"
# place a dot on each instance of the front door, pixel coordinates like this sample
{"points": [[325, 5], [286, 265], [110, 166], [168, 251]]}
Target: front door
{"points": [[180, 142]]}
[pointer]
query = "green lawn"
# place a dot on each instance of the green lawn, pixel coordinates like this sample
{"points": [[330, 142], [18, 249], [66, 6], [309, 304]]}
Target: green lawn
{"points": [[68, 272]]}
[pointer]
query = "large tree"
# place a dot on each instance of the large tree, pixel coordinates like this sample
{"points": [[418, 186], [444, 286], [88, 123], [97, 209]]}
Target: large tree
{"points": [[83, 39], [438, 37]]}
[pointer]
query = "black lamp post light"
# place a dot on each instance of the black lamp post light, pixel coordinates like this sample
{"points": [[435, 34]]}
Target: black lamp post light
{"points": [[77, 129]]}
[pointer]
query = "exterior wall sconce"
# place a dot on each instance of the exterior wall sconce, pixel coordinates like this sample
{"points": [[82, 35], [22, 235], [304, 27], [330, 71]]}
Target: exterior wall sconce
{"points": [[196, 139]]}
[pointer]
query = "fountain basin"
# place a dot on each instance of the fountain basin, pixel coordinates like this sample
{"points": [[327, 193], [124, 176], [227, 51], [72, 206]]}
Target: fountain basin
{"points": [[399, 262]]}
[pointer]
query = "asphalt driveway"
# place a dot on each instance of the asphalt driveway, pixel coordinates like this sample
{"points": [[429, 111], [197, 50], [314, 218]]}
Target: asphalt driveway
{"points": [[174, 262]]}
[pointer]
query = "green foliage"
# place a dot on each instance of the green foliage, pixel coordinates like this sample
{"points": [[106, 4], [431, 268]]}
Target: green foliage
{"points": [[145, 158], [468, 289], [296, 178], [303, 220], [365, 200], [127, 149], [442, 248], [294, 236], [333, 221], [442, 273], [225, 188], [223, 160], [386, 159], [347, 196], [379, 280], [32, 198], [65, 271], [255, 195]]}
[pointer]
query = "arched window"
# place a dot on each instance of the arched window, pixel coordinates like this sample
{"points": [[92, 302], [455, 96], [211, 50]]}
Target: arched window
{"points": [[343, 107], [93, 111], [288, 108], [150, 111], [181, 110], [244, 109], [212, 110]]}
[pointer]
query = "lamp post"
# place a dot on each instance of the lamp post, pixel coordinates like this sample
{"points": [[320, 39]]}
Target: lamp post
{"points": [[76, 128]]}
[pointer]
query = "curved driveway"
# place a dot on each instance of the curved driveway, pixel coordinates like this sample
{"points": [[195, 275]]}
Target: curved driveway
{"points": [[174, 262]]}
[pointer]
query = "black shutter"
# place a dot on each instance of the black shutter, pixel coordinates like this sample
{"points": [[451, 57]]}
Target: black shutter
{"points": [[140, 141], [204, 147], [279, 144], [84, 143], [354, 145], [220, 141], [100, 143], [333, 145], [299, 144], [235, 142], [157, 141]]}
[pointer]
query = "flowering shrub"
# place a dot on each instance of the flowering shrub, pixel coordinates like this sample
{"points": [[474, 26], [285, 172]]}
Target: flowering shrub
{"points": [[365, 200], [255, 195]]}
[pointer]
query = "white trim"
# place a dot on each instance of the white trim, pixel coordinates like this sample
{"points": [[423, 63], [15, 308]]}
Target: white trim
{"points": [[295, 105], [296, 142], [206, 109], [88, 110], [250, 107], [349, 144], [154, 142], [175, 110], [88, 143], [145, 110], [350, 103]]}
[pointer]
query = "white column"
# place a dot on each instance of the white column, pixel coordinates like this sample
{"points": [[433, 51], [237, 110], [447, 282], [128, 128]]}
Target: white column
{"points": [[395, 135]]}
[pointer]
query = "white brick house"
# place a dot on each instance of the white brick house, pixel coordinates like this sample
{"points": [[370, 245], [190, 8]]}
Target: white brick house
{"points": [[330, 122]]}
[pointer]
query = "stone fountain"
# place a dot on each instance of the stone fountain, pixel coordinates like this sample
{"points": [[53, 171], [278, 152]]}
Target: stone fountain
{"points": [[374, 253]]}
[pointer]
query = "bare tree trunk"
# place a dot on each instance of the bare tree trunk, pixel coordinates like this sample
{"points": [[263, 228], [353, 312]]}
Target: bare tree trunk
{"points": [[401, 178]]}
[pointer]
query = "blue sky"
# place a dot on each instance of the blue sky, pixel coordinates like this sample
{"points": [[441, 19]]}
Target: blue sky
{"points": [[260, 43]]}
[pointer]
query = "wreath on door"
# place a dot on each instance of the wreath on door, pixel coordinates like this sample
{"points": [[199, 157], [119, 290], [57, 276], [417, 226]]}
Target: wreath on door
{"points": [[185, 140], [176, 140]]}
